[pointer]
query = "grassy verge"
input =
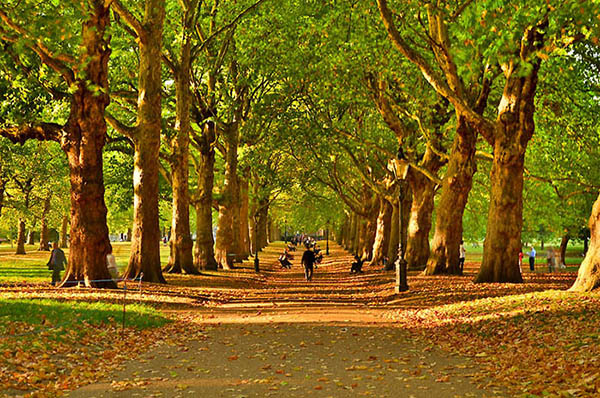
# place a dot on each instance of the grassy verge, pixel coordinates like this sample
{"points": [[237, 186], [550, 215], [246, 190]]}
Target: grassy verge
{"points": [[50, 346]]}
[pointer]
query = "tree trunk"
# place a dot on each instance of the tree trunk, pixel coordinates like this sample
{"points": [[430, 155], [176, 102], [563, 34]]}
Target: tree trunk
{"points": [[419, 224], [563, 249], [456, 185], [145, 245], [588, 277], [44, 228], [63, 241], [2, 190], [31, 236], [243, 225], [262, 224], [228, 231], [181, 244], [204, 255], [21, 238], [370, 231], [382, 235], [394, 238], [86, 132]]}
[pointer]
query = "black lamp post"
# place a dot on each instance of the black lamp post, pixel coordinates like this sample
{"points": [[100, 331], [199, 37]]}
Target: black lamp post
{"points": [[401, 171], [327, 241], [256, 261]]}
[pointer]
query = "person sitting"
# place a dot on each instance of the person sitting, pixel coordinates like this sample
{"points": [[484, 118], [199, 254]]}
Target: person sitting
{"points": [[284, 260], [318, 258], [291, 247], [357, 265]]}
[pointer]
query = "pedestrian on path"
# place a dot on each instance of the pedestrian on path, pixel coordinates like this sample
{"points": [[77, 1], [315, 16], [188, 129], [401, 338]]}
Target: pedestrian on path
{"points": [[532, 259], [56, 263], [308, 261], [462, 253], [111, 264]]}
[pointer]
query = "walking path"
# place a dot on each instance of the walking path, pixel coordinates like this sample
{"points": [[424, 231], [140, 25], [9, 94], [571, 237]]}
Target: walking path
{"points": [[285, 337]]}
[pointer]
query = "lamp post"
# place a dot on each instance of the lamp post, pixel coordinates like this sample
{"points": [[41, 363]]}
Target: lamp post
{"points": [[256, 261], [285, 230], [401, 171], [327, 241]]}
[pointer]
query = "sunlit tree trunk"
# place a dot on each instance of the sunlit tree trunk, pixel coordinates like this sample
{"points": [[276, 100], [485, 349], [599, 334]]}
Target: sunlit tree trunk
{"points": [[394, 237], [204, 255], [588, 277], [181, 258], [244, 215], [564, 241], [382, 236], [145, 244], [419, 224], [456, 185], [228, 232]]}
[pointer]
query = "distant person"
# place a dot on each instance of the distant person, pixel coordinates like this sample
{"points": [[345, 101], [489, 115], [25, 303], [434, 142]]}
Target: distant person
{"points": [[111, 264], [308, 261], [284, 259], [521, 260], [56, 263], [550, 259], [462, 253], [532, 259]]}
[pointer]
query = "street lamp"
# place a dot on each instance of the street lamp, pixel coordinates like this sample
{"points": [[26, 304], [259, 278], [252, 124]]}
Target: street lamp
{"points": [[327, 241], [401, 171]]}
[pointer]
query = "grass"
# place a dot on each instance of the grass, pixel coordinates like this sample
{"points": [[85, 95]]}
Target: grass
{"points": [[31, 267], [53, 312], [573, 258]]}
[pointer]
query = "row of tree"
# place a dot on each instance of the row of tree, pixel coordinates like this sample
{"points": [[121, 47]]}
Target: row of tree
{"points": [[239, 108]]}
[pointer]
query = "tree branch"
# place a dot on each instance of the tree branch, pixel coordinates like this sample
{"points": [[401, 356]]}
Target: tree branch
{"points": [[131, 20]]}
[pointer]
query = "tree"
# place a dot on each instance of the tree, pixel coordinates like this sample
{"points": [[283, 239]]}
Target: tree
{"points": [[82, 136]]}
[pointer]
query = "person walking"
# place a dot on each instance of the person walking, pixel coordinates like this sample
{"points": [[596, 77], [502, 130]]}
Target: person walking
{"points": [[56, 263], [308, 261], [462, 253], [550, 256], [532, 259], [521, 260], [111, 264]]}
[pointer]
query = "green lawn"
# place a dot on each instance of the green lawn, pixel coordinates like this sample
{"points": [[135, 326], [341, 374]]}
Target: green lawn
{"points": [[31, 267], [573, 258]]}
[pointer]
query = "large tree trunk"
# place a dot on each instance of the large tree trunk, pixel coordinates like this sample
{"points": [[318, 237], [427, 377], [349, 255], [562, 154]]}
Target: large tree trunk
{"points": [[44, 228], [228, 231], [21, 238], [145, 245], [86, 132], [419, 224], [588, 277], [31, 237], [181, 258], [382, 236], [204, 255], [456, 185], [63, 241], [2, 190], [513, 130]]}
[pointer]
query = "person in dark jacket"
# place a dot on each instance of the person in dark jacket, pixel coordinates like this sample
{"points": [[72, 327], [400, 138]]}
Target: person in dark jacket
{"points": [[308, 261], [56, 263]]}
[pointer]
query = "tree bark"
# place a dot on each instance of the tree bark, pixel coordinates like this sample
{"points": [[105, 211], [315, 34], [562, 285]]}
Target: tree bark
{"points": [[21, 238], [382, 236], [262, 226], [370, 231], [244, 215], [588, 277], [44, 228], [63, 241], [181, 244], [456, 185], [204, 255], [31, 236], [563, 249], [228, 231], [145, 245], [419, 224], [514, 128]]}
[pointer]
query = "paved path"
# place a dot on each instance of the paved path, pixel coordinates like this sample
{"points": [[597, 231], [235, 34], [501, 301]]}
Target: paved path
{"points": [[293, 339]]}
